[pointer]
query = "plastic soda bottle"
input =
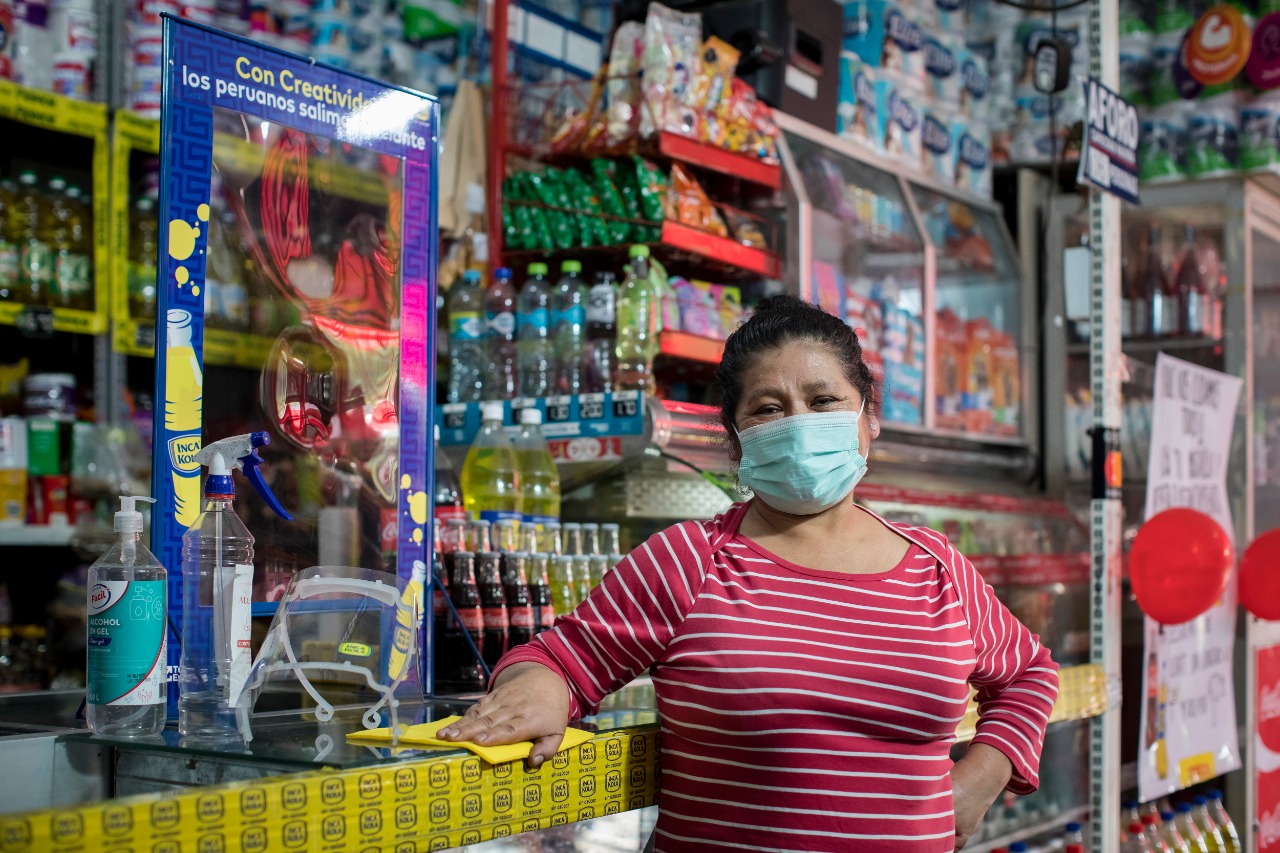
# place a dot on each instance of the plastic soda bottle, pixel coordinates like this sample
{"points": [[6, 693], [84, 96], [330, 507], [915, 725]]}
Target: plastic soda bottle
{"points": [[490, 474], [1151, 828], [1189, 831], [1135, 840], [464, 306], [539, 477], [638, 317], [1225, 825], [144, 255], [536, 369], [1073, 834], [1170, 835], [500, 336], [30, 213], [1207, 826], [602, 317], [569, 328]]}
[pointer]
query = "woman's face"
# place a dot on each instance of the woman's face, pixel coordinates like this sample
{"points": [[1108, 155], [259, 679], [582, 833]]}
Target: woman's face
{"points": [[799, 378]]}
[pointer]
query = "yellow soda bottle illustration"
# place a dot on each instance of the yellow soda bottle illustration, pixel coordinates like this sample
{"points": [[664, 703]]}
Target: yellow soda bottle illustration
{"points": [[182, 412]]}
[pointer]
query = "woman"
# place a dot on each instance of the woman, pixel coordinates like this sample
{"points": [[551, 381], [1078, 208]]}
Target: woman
{"points": [[811, 660]]}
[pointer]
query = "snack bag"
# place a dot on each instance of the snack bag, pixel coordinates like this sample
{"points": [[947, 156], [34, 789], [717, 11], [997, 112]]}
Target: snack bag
{"points": [[689, 205], [573, 134], [696, 307], [903, 353], [651, 191], [953, 369], [671, 44], [978, 399], [713, 87], [712, 322], [626, 58], [729, 302], [591, 228], [611, 202], [1006, 385], [745, 230], [546, 189]]}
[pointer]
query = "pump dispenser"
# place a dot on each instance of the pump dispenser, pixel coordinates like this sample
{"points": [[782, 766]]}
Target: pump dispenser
{"points": [[128, 596], [217, 595]]}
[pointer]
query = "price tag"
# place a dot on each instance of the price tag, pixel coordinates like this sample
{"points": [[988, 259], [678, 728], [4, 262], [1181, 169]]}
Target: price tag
{"points": [[591, 407], [626, 404], [35, 321], [454, 415], [518, 405], [557, 409], [145, 336]]}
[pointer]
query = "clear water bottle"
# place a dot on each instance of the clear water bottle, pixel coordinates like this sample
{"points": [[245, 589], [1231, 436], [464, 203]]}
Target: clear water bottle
{"points": [[467, 359], [638, 317], [569, 328], [539, 477], [536, 369], [602, 317], [490, 475], [500, 336]]}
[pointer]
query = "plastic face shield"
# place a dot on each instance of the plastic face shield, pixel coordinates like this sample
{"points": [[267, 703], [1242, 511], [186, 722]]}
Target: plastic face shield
{"points": [[346, 636]]}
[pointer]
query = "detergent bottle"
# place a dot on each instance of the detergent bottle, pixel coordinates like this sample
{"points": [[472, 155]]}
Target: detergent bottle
{"points": [[217, 594]]}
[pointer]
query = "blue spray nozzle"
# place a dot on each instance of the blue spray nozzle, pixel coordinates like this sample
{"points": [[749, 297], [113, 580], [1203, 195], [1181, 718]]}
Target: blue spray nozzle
{"points": [[241, 452]]}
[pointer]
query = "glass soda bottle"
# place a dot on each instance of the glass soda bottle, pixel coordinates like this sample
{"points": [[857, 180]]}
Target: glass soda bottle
{"points": [[447, 499], [1225, 825], [544, 611], [439, 610], [490, 474], [493, 606], [30, 214], [602, 316], [539, 477], [610, 539], [564, 591], [515, 586], [144, 254], [1207, 826], [638, 315], [569, 328], [500, 336], [1190, 285], [1158, 288], [467, 360], [464, 669], [536, 367]]}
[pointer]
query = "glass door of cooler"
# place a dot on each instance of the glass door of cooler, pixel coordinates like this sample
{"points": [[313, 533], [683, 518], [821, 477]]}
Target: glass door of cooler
{"points": [[1266, 379], [860, 255], [979, 344]]}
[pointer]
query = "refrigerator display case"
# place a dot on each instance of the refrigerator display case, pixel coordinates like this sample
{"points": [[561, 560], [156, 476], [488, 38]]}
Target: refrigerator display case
{"points": [[928, 276]]}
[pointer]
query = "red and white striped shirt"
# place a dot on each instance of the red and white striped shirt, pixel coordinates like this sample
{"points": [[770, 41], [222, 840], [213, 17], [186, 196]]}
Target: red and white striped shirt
{"points": [[803, 709]]}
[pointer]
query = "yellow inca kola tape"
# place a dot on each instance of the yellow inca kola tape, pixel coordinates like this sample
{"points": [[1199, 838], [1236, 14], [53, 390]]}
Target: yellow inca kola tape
{"points": [[52, 112], [406, 807]]}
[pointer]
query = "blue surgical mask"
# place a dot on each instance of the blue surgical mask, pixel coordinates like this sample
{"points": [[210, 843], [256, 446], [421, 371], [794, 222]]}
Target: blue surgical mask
{"points": [[802, 464]]}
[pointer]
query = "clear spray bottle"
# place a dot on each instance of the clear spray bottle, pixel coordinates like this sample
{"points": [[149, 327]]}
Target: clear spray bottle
{"points": [[127, 654], [217, 594]]}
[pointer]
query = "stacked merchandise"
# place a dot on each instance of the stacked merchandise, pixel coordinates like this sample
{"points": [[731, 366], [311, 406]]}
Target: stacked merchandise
{"points": [[24, 652], [50, 45], [614, 202], [1198, 824], [46, 243], [912, 91]]}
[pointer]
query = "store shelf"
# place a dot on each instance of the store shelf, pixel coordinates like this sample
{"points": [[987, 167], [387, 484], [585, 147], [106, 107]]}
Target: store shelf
{"points": [[1031, 830], [37, 536], [743, 166], [1154, 346], [721, 250], [600, 417], [139, 133], [39, 321], [1082, 694], [690, 347], [51, 112]]}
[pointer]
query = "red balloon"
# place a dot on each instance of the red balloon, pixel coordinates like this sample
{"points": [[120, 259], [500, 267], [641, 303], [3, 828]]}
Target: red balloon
{"points": [[1180, 565], [1260, 576]]}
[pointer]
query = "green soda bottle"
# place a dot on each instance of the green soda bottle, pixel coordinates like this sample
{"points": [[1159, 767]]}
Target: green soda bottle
{"points": [[490, 474], [639, 306]]}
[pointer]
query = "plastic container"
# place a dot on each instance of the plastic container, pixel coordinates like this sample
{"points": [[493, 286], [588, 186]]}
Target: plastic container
{"points": [[466, 345], [126, 670], [569, 328], [539, 477], [500, 337], [536, 370], [490, 474], [638, 307], [13, 471]]}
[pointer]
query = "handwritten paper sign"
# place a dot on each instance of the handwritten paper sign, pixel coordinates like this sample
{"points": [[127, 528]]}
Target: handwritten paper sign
{"points": [[1188, 702]]}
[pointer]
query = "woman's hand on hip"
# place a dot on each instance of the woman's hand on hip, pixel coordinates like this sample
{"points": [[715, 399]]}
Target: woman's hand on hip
{"points": [[526, 702], [976, 780]]}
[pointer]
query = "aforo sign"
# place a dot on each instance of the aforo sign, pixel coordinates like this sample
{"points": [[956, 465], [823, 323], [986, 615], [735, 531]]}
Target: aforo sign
{"points": [[1266, 748]]}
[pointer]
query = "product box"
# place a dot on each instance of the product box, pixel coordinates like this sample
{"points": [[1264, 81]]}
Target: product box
{"points": [[943, 79], [1259, 123], [863, 313], [44, 447], [1006, 385], [899, 105], [1162, 142], [972, 146], [953, 369], [856, 116], [975, 84], [977, 402], [827, 288], [903, 351], [938, 158], [886, 35]]}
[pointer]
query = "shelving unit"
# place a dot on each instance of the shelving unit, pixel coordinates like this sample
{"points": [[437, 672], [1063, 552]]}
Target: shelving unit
{"points": [[37, 536]]}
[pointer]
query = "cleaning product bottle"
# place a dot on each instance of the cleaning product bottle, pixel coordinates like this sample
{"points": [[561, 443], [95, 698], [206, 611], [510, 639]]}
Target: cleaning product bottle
{"points": [[127, 605], [217, 592]]}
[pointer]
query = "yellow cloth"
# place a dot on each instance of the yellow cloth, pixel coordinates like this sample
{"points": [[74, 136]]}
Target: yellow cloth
{"points": [[424, 734]]}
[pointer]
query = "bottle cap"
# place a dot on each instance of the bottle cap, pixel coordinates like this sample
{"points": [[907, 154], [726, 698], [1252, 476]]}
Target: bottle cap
{"points": [[1200, 801], [471, 276], [1135, 828], [491, 411], [502, 272], [532, 417], [571, 266], [537, 269], [1073, 827], [638, 251], [28, 177], [57, 183], [1183, 808], [1213, 794], [128, 519]]}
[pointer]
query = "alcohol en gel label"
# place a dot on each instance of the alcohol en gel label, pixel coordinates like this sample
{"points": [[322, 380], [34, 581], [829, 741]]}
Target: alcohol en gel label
{"points": [[126, 642]]}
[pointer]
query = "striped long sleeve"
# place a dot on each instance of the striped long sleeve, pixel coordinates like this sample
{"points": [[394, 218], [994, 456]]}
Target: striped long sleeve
{"points": [[804, 709]]}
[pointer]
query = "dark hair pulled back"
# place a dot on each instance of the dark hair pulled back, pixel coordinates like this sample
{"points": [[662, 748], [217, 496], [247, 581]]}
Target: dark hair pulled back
{"points": [[778, 321]]}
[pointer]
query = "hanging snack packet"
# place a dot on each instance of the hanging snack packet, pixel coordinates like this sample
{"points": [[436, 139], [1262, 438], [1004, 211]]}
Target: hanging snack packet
{"points": [[530, 218], [671, 43], [651, 190], [590, 224], [745, 229], [713, 86], [611, 202], [689, 205], [546, 189], [512, 235], [626, 58], [573, 134]]}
